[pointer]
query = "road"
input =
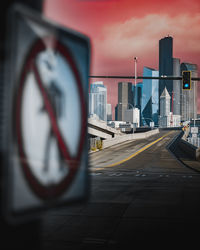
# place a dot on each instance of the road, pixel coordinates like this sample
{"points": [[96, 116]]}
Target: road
{"points": [[139, 193]]}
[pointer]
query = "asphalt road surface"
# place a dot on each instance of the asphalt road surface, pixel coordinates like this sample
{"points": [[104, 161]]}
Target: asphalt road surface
{"points": [[141, 195]]}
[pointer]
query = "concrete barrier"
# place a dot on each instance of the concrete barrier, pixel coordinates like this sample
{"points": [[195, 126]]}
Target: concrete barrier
{"points": [[190, 150], [173, 145], [129, 137]]}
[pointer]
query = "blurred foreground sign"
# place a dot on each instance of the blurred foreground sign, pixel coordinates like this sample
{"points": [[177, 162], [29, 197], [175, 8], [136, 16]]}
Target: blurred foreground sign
{"points": [[46, 90]]}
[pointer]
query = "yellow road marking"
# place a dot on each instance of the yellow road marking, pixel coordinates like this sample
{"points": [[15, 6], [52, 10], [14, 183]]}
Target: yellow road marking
{"points": [[136, 153]]}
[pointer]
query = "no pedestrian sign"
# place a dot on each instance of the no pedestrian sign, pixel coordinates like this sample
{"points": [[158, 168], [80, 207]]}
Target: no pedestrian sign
{"points": [[47, 155]]}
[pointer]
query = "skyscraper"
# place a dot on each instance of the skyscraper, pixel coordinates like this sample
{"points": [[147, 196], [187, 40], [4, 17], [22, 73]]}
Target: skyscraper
{"points": [[137, 93], [98, 100], [176, 98], [149, 105], [166, 65], [109, 112], [189, 97], [165, 103], [125, 99]]}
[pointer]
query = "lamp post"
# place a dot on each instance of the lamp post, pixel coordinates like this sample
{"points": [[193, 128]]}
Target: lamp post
{"points": [[131, 105], [147, 119], [127, 103], [135, 60]]}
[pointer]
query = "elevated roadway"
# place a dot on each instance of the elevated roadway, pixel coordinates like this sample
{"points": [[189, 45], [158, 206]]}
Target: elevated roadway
{"points": [[100, 129], [141, 196]]}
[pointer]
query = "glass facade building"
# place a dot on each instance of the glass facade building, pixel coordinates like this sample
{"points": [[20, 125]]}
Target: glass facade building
{"points": [[189, 97], [125, 99], [165, 64], [109, 112], [176, 99], [98, 100], [137, 96], [150, 97]]}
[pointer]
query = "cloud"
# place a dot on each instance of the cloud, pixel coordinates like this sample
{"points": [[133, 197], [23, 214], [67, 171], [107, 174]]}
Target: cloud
{"points": [[140, 36]]}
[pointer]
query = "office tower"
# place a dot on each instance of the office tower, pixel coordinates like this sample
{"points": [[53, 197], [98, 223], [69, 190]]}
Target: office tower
{"points": [[116, 112], [132, 116], [167, 118], [125, 99], [150, 100], [176, 96], [165, 65], [165, 100], [109, 112], [137, 93], [189, 97], [98, 100]]}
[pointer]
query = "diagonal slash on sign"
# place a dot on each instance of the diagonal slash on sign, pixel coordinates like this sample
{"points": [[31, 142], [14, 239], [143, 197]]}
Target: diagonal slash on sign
{"points": [[62, 147]]}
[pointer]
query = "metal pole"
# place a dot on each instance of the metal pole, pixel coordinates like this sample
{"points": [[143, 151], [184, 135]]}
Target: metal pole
{"points": [[194, 94], [146, 77], [135, 59], [189, 105]]}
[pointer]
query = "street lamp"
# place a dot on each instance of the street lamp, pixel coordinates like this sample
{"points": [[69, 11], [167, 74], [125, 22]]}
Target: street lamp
{"points": [[135, 60], [127, 103], [147, 119], [131, 105]]}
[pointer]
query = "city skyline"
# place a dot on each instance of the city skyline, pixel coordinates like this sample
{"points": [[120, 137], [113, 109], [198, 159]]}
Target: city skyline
{"points": [[122, 29], [180, 100], [183, 103]]}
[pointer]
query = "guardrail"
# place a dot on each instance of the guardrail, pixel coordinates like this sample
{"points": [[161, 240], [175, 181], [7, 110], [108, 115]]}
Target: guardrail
{"points": [[98, 144]]}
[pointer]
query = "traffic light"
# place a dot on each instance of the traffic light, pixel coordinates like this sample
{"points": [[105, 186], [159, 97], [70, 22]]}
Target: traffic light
{"points": [[186, 79]]}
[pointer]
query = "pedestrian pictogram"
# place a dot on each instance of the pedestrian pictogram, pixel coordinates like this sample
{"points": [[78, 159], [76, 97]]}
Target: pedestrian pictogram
{"points": [[42, 102]]}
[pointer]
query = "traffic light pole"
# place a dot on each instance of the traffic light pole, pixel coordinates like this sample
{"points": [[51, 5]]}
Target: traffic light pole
{"points": [[146, 77], [183, 78]]}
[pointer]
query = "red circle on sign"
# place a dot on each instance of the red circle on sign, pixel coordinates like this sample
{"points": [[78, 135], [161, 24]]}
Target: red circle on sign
{"points": [[54, 190]]}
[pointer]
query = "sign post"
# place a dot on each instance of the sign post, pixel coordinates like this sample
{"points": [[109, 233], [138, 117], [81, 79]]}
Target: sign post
{"points": [[45, 132]]}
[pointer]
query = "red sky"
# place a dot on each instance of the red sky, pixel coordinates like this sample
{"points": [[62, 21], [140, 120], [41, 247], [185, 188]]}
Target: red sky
{"points": [[122, 29]]}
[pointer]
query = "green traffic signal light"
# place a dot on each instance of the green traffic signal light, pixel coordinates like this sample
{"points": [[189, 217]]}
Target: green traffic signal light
{"points": [[186, 80]]}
